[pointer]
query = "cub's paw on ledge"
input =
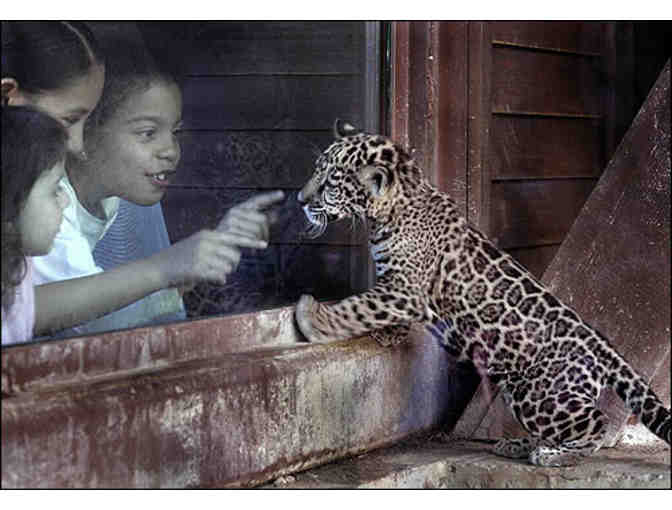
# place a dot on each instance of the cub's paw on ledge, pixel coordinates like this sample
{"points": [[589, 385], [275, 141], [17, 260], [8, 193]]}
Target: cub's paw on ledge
{"points": [[306, 309]]}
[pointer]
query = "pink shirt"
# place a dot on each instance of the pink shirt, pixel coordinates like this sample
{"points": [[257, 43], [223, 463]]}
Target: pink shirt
{"points": [[19, 321]]}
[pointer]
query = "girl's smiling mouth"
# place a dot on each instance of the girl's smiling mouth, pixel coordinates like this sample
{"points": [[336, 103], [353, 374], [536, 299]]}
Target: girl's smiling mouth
{"points": [[162, 178]]}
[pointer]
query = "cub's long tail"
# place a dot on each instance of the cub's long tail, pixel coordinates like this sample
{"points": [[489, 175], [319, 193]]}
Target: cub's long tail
{"points": [[640, 398]]}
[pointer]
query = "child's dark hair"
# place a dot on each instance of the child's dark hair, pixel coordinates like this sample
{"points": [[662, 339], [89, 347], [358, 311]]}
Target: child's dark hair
{"points": [[130, 69], [32, 143], [46, 55]]}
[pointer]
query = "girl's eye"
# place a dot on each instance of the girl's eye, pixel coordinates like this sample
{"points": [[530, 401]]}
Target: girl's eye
{"points": [[146, 133], [69, 121]]}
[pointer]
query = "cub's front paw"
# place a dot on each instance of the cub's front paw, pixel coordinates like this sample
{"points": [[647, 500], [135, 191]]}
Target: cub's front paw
{"points": [[305, 309]]}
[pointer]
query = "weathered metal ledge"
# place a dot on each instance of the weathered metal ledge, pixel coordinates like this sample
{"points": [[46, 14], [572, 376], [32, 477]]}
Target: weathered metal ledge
{"points": [[222, 402]]}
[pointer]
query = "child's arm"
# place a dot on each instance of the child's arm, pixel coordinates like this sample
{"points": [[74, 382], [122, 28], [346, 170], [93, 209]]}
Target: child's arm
{"points": [[206, 255], [66, 303]]}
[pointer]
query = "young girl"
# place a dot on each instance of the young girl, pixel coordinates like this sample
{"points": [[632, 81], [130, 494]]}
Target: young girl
{"points": [[57, 68], [206, 255], [133, 153], [33, 156]]}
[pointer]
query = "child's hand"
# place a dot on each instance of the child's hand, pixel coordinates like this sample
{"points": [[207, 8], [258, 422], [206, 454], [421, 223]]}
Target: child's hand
{"points": [[246, 218], [214, 254], [207, 255]]}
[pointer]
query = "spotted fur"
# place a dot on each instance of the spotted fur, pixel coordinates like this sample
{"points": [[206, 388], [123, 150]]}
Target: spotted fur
{"points": [[478, 302]]}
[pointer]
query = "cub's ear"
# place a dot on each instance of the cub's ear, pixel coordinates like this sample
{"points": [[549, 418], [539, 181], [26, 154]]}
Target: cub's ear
{"points": [[343, 129], [376, 179]]}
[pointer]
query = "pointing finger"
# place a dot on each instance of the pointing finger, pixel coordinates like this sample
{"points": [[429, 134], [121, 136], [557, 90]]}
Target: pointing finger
{"points": [[264, 200], [241, 240]]}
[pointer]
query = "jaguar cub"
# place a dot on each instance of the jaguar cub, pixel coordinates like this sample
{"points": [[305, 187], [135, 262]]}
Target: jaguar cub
{"points": [[478, 302]]}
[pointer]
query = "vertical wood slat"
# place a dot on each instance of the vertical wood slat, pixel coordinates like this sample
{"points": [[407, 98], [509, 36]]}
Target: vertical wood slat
{"points": [[619, 70], [450, 173], [359, 257], [478, 125], [399, 92], [420, 115]]}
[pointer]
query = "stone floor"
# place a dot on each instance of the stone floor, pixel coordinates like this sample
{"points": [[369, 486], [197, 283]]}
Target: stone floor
{"points": [[435, 463]]}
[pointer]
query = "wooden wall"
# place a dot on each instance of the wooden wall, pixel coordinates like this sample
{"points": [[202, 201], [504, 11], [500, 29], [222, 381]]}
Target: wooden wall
{"points": [[517, 120], [260, 99], [545, 133]]}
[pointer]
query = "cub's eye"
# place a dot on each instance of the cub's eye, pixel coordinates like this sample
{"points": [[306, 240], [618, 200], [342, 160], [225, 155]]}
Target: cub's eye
{"points": [[335, 177]]}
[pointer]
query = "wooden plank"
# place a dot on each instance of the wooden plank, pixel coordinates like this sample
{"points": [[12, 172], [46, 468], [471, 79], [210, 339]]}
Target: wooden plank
{"points": [[451, 133], [478, 125], [620, 103], [400, 86], [536, 259], [544, 83], [271, 102], [533, 147], [567, 36], [529, 213], [263, 47], [250, 159], [420, 130]]}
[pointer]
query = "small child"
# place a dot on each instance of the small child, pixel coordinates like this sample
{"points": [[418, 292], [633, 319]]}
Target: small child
{"points": [[33, 157], [133, 153]]}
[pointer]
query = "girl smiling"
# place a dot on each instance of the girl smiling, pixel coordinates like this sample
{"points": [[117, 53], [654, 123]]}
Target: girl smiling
{"points": [[132, 153]]}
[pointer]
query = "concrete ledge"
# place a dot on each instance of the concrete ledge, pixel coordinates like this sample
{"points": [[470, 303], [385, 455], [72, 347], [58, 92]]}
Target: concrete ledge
{"points": [[174, 412], [470, 465]]}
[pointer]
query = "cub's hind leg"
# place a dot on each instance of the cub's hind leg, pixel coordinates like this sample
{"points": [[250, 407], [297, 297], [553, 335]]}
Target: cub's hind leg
{"points": [[519, 448], [578, 437], [564, 426]]}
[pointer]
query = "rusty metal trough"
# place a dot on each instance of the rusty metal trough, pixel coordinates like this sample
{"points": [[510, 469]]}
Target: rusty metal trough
{"points": [[229, 401]]}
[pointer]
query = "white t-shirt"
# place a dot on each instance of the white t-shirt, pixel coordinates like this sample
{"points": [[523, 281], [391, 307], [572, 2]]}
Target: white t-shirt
{"points": [[72, 253], [72, 257], [19, 320]]}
